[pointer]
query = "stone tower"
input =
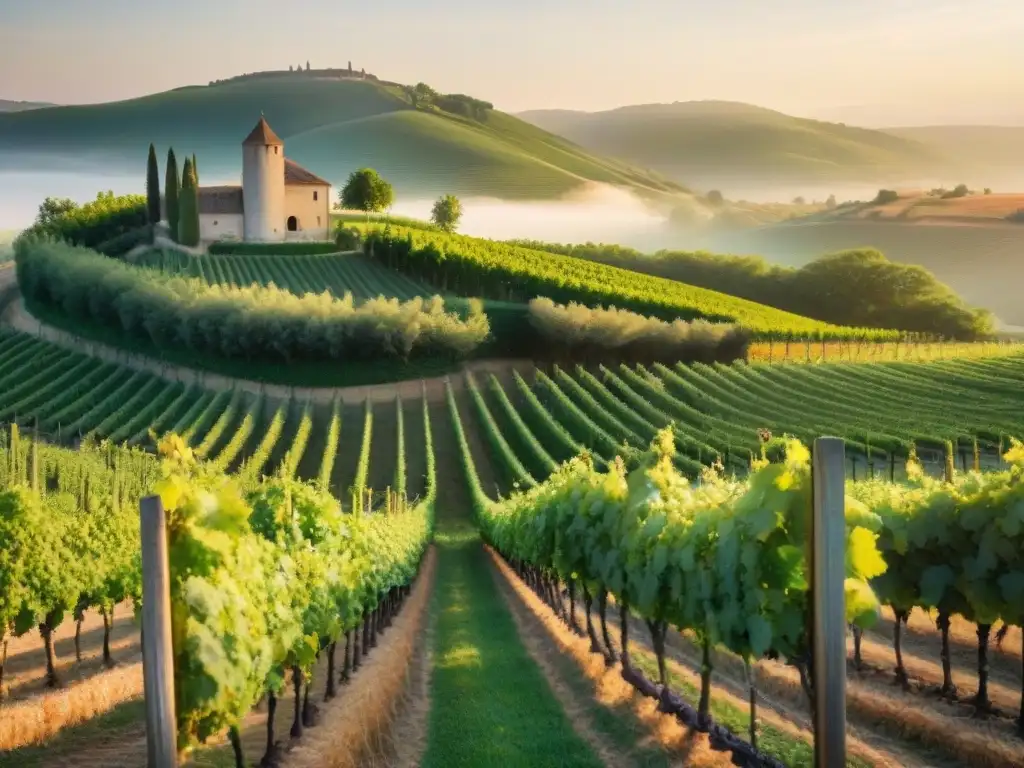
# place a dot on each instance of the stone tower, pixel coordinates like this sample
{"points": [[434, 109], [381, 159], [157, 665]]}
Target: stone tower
{"points": [[263, 185]]}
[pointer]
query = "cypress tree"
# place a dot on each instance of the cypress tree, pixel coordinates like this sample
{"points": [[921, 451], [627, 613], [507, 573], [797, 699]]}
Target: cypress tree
{"points": [[171, 184], [153, 187], [195, 169], [188, 207]]}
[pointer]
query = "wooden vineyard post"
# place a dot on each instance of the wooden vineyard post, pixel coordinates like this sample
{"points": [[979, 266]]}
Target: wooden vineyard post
{"points": [[827, 560], [157, 653]]}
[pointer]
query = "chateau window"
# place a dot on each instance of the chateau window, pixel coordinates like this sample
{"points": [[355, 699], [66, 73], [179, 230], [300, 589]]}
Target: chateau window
{"points": [[316, 195], [275, 150], [318, 221]]}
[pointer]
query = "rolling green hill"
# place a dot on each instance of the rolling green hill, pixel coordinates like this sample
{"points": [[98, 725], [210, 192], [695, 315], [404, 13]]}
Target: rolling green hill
{"points": [[707, 142], [6, 105], [330, 125]]}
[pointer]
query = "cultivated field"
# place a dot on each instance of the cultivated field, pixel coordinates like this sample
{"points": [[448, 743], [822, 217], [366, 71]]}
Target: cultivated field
{"points": [[568, 559], [517, 428]]}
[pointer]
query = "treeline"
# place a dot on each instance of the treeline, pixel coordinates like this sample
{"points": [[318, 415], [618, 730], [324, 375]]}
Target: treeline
{"points": [[422, 96], [859, 287], [253, 323], [92, 224], [579, 333], [471, 266]]}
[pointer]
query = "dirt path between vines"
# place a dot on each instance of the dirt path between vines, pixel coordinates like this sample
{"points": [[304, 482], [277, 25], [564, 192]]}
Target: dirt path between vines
{"points": [[16, 316], [654, 740]]}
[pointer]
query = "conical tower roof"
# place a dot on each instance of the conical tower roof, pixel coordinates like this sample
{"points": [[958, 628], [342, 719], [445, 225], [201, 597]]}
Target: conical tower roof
{"points": [[263, 135]]}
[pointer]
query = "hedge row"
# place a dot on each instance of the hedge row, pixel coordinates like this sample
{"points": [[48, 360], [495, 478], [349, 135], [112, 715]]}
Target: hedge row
{"points": [[253, 323], [295, 248]]}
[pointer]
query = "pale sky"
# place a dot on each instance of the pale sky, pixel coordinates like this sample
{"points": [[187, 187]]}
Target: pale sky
{"points": [[893, 60]]}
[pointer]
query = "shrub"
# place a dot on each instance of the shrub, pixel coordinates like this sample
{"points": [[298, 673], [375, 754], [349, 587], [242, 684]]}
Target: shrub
{"points": [[90, 224], [886, 196], [579, 332], [298, 248], [446, 213], [256, 322], [346, 239], [960, 190], [123, 243], [1017, 216]]}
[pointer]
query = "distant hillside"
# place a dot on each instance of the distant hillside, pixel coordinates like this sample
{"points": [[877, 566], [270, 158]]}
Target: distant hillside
{"points": [[712, 142], [331, 125], [21, 106], [980, 151]]}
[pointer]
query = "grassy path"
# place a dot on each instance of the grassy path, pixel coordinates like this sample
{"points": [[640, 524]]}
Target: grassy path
{"points": [[491, 705]]}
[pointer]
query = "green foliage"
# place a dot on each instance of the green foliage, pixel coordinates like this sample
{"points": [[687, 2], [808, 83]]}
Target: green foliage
{"points": [[446, 213], [254, 322], [886, 196], [90, 224], [576, 332], [284, 249], [422, 96], [473, 266], [172, 183], [152, 187], [859, 288], [261, 582], [669, 550], [346, 239], [367, 191], [123, 243], [714, 197], [188, 207]]}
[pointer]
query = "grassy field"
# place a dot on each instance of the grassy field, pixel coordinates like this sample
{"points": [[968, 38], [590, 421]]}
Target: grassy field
{"points": [[711, 142], [331, 126]]}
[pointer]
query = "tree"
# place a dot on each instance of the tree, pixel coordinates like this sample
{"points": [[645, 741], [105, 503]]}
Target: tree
{"points": [[714, 197], [886, 196], [291, 68], [446, 213], [960, 190], [188, 207], [350, 67], [831, 202], [171, 187], [195, 169], [53, 208], [365, 190], [799, 200], [153, 187], [307, 65]]}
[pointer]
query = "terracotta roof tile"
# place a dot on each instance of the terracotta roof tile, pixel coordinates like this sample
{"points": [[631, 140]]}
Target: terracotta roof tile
{"points": [[263, 135], [296, 174]]}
